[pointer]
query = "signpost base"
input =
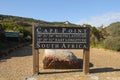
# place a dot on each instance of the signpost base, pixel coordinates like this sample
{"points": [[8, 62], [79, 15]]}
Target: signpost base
{"points": [[36, 62], [86, 55]]}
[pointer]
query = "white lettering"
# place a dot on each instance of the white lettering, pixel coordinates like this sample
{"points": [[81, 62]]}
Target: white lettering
{"points": [[63, 30], [63, 46]]}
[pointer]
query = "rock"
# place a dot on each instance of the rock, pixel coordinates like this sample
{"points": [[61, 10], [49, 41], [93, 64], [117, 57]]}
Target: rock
{"points": [[60, 59], [29, 78]]}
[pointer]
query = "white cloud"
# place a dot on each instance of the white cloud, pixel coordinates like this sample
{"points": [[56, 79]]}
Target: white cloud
{"points": [[105, 19]]}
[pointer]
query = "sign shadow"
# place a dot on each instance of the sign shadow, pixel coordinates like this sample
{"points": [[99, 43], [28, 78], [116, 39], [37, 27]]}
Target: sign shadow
{"points": [[59, 72], [19, 52], [102, 70]]}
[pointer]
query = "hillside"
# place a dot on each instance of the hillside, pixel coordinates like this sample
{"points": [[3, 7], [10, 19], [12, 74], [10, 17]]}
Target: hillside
{"points": [[27, 22], [112, 41], [99, 37], [23, 26]]}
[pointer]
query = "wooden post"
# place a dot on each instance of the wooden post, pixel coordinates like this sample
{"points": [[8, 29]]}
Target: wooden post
{"points": [[35, 55], [86, 58], [86, 54]]}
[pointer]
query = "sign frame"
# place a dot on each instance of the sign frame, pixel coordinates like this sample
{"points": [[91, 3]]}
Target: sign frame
{"points": [[35, 51]]}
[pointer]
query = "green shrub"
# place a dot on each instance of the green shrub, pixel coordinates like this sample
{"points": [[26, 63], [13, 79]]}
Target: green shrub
{"points": [[112, 43], [99, 44]]}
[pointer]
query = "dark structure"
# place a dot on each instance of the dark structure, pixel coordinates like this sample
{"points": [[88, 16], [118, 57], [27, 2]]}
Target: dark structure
{"points": [[2, 33]]}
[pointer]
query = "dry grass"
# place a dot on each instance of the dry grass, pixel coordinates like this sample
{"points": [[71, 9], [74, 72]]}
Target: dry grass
{"points": [[18, 66]]}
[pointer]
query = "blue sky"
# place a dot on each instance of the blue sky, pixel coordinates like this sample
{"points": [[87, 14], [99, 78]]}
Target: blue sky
{"points": [[94, 12]]}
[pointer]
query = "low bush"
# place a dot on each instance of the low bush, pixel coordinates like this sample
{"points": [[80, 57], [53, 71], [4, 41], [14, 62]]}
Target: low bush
{"points": [[112, 43]]}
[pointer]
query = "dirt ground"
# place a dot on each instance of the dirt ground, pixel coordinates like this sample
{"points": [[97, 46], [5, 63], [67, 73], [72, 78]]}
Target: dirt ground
{"points": [[105, 65]]}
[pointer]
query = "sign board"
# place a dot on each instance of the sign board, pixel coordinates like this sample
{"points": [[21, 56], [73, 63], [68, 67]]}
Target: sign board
{"points": [[61, 37], [12, 34]]}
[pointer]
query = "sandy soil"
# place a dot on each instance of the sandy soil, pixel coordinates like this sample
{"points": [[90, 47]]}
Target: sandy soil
{"points": [[18, 66]]}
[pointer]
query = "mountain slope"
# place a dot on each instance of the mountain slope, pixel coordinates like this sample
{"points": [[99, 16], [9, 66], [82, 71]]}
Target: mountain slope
{"points": [[27, 22]]}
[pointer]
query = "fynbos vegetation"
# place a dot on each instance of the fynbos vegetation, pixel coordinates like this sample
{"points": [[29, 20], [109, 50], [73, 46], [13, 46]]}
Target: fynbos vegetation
{"points": [[113, 39], [107, 37]]}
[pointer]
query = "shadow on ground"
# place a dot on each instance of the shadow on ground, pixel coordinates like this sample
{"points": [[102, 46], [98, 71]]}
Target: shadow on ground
{"points": [[102, 70], [81, 63], [20, 52], [92, 71], [59, 72]]}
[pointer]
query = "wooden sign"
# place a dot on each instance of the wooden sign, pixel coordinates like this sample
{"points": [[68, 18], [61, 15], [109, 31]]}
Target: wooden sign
{"points": [[60, 38]]}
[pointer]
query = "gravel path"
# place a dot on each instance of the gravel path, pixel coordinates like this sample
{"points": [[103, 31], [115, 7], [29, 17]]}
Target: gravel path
{"points": [[18, 66]]}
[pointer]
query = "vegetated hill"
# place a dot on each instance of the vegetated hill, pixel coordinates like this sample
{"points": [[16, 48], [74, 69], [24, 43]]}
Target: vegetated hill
{"points": [[18, 23], [24, 25], [113, 40], [28, 22], [114, 29], [20, 20]]}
